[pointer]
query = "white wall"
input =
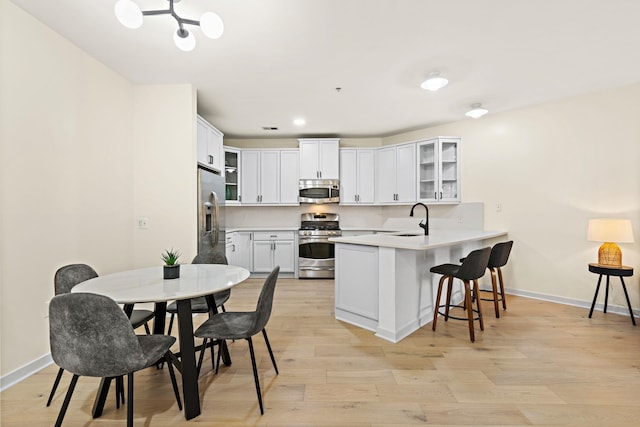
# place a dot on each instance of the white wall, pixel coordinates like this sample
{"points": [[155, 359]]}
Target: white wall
{"points": [[83, 153], [551, 168]]}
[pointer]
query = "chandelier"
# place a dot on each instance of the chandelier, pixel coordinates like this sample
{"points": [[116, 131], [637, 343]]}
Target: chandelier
{"points": [[130, 15]]}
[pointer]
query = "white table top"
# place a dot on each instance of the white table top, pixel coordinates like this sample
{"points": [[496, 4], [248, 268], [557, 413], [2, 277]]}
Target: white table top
{"points": [[437, 238], [148, 285]]}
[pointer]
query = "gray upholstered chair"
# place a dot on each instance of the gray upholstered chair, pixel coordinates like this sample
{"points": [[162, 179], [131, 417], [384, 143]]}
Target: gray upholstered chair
{"points": [[91, 336], [244, 325], [65, 279], [199, 304]]}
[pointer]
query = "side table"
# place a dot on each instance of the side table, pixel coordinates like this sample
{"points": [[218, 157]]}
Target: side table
{"points": [[608, 270]]}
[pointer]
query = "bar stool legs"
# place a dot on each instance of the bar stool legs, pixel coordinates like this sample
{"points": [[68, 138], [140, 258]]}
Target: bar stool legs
{"points": [[468, 305]]}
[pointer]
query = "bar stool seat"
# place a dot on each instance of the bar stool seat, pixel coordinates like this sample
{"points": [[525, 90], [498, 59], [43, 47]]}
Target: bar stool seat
{"points": [[498, 259], [472, 268]]}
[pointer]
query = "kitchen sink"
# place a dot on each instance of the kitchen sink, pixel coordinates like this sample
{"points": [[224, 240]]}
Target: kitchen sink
{"points": [[408, 234]]}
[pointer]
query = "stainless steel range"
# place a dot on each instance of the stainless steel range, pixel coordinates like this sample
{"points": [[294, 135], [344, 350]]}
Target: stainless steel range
{"points": [[316, 254]]}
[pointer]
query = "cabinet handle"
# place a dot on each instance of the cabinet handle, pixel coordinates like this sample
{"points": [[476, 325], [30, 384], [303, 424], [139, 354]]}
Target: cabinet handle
{"points": [[233, 248], [435, 195], [441, 195], [210, 159], [240, 198]]}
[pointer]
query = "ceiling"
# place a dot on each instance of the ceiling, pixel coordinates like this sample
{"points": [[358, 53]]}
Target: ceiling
{"points": [[283, 59]]}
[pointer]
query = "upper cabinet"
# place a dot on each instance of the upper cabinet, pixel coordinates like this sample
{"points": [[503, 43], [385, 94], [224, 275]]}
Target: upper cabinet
{"points": [[357, 176], [232, 175], [210, 151], [396, 174], [319, 158], [269, 177], [439, 170]]}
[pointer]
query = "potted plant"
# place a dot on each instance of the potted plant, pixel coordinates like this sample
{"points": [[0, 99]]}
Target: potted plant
{"points": [[171, 266]]}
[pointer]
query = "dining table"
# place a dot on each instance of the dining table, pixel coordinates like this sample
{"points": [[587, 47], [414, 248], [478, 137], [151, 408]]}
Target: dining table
{"points": [[147, 285]]}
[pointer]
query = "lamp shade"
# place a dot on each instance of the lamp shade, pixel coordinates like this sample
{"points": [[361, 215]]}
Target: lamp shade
{"points": [[184, 40], [211, 25], [128, 13], [610, 230]]}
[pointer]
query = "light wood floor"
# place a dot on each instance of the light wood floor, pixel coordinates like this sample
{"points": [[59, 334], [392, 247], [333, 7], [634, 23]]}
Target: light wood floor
{"points": [[540, 364]]}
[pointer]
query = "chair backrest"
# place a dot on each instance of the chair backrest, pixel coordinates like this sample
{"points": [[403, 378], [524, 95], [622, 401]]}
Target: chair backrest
{"points": [[474, 265], [90, 335], [210, 258], [70, 275], [500, 254], [265, 302]]}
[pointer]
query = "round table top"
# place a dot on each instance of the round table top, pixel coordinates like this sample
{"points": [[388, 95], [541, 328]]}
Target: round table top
{"points": [[148, 285], [610, 270]]}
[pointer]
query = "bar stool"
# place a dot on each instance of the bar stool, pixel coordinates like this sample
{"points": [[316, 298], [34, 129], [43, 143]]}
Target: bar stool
{"points": [[498, 259], [473, 267]]}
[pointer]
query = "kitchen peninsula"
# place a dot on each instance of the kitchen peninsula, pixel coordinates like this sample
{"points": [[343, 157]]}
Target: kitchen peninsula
{"points": [[383, 283]]}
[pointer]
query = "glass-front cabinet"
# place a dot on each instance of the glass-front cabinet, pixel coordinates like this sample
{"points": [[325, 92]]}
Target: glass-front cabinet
{"points": [[439, 170], [231, 175]]}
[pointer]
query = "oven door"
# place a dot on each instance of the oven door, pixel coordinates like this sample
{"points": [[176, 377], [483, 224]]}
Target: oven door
{"points": [[316, 258]]}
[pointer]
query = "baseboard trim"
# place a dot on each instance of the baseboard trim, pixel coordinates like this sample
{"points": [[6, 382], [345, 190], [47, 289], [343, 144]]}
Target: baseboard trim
{"points": [[611, 308], [25, 371]]}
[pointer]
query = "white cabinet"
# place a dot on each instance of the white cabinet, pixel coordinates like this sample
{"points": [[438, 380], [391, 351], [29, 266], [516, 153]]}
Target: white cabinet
{"points": [[439, 170], [274, 248], [396, 174], [357, 176], [289, 176], [239, 249], [260, 177], [210, 151], [232, 175], [319, 158]]}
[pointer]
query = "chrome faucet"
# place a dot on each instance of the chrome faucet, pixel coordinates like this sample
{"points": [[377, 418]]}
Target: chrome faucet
{"points": [[423, 224]]}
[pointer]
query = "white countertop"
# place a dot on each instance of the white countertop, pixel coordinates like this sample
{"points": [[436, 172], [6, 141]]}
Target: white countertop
{"points": [[437, 238], [249, 229]]}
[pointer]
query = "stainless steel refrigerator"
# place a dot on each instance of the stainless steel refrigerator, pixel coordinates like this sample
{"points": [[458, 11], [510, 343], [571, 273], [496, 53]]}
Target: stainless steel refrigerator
{"points": [[211, 230]]}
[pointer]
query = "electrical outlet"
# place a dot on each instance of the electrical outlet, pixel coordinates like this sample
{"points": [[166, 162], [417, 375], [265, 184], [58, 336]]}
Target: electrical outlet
{"points": [[143, 222], [498, 207]]}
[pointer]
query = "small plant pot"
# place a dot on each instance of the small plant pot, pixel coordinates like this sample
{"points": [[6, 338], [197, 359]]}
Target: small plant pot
{"points": [[172, 271]]}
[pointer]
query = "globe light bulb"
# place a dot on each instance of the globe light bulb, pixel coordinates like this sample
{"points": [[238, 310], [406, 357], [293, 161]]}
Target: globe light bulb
{"points": [[184, 40], [128, 13], [211, 25]]}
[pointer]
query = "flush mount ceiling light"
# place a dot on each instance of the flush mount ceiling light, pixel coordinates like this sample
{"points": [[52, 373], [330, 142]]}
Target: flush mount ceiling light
{"points": [[434, 82], [476, 111], [130, 15]]}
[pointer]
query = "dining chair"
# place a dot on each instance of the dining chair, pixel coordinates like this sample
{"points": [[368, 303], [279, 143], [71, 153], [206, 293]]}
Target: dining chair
{"points": [[244, 325], [64, 280], [91, 336], [199, 304]]}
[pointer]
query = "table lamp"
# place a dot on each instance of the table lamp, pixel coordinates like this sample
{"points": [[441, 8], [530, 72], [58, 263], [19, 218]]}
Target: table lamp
{"points": [[610, 231]]}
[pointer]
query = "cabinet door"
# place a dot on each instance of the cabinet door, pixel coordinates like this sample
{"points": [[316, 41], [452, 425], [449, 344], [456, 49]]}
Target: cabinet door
{"points": [[405, 173], [289, 176], [366, 176], [262, 256], [216, 152], [269, 177], [250, 178], [428, 186], [348, 176], [329, 159], [202, 132], [449, 170], [283, 256], [386, 175], [309, 161], [232, 175], [244, 250]]}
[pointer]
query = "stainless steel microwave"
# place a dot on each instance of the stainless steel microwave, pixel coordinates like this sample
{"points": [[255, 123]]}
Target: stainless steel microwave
{"points": [[319, 191]]}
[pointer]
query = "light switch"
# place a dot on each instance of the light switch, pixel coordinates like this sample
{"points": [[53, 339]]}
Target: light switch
{"points": [[143, 222]]}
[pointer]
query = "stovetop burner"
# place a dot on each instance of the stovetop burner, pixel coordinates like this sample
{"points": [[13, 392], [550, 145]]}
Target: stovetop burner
{"points": [[319, 221]]}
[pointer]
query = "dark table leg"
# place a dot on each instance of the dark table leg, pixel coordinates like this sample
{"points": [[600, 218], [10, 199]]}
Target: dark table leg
{"points": [[606, 295], [595, 296], [188, 357], [161, 317], [624, 287]]}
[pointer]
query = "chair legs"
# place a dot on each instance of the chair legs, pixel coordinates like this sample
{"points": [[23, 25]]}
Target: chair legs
{"points": [[67, 399], [273, 360], [255, 374], [497, 295], [467, 305], [55, 386]]}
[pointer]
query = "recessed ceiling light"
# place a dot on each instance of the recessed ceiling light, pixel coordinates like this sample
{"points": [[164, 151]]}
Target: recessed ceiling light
{"points": [[476, 111], [434, 82], [299, 122]]}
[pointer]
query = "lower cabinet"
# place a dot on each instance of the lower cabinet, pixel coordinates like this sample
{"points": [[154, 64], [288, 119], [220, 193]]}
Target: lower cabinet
{"points": [[239, 249], [274, 248]]}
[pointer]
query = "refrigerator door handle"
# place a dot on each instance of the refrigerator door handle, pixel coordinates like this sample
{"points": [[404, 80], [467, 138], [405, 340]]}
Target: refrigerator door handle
{"points": [[216, 219]]}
